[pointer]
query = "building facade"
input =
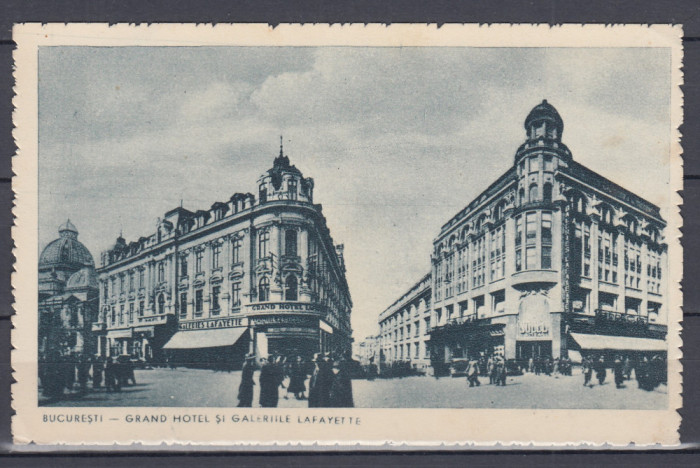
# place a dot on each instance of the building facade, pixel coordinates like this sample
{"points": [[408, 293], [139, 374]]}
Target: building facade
{"points": [[250, 274], [367, 351], [552, 259], [404, 328], [68, 301]]}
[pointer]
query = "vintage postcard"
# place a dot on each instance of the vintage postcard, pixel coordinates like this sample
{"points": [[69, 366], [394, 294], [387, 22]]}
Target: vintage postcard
{"points": [[347, 235]]}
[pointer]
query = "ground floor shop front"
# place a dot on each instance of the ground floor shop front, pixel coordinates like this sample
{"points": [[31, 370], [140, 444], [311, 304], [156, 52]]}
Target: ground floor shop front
{"points": [[542, 337]]}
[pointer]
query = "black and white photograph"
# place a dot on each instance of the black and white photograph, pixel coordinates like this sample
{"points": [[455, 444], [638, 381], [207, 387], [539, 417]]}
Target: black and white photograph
{"points": [[355, 226]]}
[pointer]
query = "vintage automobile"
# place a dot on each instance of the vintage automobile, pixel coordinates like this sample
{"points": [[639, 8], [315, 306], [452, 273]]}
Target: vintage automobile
{"points": [[458, 367]]}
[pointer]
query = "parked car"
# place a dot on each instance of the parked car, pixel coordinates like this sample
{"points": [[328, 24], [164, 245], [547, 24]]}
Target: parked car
{"points": [[458, 367]]}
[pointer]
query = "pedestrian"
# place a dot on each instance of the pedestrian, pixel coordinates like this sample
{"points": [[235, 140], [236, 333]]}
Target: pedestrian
{"points": [[340, 395], [83, 374], [500, 371], [627, 368], [587, 368], [296, 379], [600, 370], [269, 384], [491, 370], [129, 371], [642, 374], [473, 373], [619, 372], [531, 365], [245, 389], [320, 383], [97, 370]]}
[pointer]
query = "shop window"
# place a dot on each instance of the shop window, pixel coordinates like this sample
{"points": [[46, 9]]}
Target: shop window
{"points": [[264, 290], [290, 288]]}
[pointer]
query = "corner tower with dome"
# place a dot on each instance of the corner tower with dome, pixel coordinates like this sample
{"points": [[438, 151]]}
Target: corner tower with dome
{"points": [[552, 260], [249, 274], [68, 301]]}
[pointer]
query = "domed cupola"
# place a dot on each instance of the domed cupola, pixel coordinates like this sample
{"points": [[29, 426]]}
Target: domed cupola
{"points": [[284, 182], [544, 127], [66, 251], [544, 121]]}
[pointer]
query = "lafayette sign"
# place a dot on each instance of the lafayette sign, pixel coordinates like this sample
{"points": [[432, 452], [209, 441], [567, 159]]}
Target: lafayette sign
{"points": [[213, 323]]}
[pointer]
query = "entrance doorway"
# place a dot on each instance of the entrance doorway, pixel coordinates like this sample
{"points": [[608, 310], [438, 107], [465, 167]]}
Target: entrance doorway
{"points": [[533, 349]]}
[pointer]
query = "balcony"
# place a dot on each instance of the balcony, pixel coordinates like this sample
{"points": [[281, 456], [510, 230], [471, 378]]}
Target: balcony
{"points": [[608, 322], [535, 276]]}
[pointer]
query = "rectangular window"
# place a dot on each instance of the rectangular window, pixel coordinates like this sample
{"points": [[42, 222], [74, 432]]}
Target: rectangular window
{"points": [[121, 284], [131, 312], [518, 260], [546, 257], [236, 250], [236, 295], [292, 189], [142, 282], [534, 164], [548, 164], [518, 230], [161, 272], [215, 291], [132, 281], [546, 227], [263, 243], [121, 314], [198, 302], [183, 304], [114, 315], [141, 308], [531, 228], [531, 258], [215, 256], [198, 260], [183, 266]]}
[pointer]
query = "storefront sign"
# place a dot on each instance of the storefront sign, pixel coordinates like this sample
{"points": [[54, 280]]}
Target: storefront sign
{"points": [[534, 321], [301, 330], [228, 322], [154, 319], [285, 320], [533, 330]]}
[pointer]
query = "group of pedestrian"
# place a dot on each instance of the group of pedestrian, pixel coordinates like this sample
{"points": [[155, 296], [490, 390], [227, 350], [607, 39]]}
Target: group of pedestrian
{"points": [[494, 367], [60, 372], [591, 364], [330, 384], [651, 373]]}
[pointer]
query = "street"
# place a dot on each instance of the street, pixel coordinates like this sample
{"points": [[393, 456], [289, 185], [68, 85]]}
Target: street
{"points": [[183, 387]]}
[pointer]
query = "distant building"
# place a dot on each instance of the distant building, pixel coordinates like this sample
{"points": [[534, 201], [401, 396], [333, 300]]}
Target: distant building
{"points": [[247, 274], [404, 328], [551, 260], [68, 301], [367, 351]]}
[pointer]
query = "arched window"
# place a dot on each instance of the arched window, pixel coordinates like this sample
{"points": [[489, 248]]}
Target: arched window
{"points": [[161, 304], [264, 290], [161, 272], [547, 192], [263, 193], [290, 288], [533, 195], [290, 242]]}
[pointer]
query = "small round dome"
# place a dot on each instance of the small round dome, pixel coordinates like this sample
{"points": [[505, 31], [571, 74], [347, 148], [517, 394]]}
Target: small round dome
{"points": [[66, 250], [544, 111], [81, 279]]}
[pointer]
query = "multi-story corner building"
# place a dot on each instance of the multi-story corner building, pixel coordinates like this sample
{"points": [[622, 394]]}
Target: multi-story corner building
{"points": [[552, 259], [404, 327], [247, 274]]}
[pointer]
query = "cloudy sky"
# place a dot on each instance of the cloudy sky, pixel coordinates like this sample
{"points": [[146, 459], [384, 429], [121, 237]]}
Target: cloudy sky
{"points": [[397, 139]]}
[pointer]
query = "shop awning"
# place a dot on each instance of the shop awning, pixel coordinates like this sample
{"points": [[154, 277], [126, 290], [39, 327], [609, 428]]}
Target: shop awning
{"points": [[618, 343], [212, 338]]}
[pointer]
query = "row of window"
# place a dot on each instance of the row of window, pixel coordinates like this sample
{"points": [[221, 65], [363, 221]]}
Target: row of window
{"points": [[537, 236], [408, 351]]}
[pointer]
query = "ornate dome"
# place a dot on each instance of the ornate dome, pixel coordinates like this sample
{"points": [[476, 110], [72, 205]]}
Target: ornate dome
{"points": [[547, 113], [66, 250], [81, 279]]}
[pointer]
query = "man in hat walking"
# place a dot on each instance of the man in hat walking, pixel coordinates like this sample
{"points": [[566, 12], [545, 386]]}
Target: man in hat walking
{"points": [[320, 382], [340, 395], [269, 384], [245, 389]]}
